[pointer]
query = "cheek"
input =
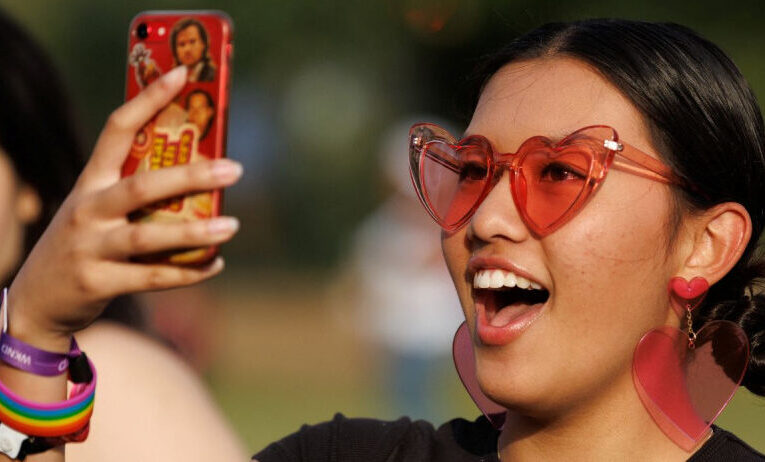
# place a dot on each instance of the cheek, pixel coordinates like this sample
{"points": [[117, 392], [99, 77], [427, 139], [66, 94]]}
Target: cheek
{"points": [[608, 270], [10, 233], [456, 255], [611, 262], [11, 227], [625, 223]]}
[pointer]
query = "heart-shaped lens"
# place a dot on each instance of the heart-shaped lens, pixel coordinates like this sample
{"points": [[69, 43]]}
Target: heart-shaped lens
{"points": [[553, 180], [454, 178]]}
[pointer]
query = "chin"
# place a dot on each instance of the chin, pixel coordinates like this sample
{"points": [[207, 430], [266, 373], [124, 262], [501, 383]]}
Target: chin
{"points": [[519, 387]]}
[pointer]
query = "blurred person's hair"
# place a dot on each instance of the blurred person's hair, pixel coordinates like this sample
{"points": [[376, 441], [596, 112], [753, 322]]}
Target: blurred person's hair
{"points": [[210, 104], [184, 24], [39, 136]]}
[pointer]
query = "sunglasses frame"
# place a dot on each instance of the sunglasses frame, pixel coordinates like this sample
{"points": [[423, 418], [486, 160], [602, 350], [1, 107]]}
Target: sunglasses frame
{"points": [[617, 154]]}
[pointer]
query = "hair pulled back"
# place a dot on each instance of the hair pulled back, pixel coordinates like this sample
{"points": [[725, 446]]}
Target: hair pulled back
{"points": [[704, 121]]}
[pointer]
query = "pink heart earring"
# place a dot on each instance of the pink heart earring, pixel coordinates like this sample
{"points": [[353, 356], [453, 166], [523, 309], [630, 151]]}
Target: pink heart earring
{"points": [[685, 379], [464, 361]]}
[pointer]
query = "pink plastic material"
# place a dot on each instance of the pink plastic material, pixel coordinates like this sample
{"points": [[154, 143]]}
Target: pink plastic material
{"points": [[686, 295], [550, 181], [79, 393], [685, 389], [464, 361]]}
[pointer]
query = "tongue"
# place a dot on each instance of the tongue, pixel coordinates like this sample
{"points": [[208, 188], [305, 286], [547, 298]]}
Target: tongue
{"points": [[508, 314]]}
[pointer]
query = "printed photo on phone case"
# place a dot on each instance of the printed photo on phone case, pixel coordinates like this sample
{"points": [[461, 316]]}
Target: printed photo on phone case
{"points": [[192, 127]]}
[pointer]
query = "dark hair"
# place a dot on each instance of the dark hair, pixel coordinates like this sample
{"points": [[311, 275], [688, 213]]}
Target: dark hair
{"points": [[705, 122], [185, 24], [210, 104], [38, 135], [36, 128]]}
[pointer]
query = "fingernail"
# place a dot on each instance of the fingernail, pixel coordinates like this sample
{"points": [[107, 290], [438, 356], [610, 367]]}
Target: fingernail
{"points": [[218, 264], [222, 225], [176, 75], [225, 169]]}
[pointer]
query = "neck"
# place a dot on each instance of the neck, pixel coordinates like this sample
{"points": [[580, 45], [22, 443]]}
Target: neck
{"points": [[613, 426]]}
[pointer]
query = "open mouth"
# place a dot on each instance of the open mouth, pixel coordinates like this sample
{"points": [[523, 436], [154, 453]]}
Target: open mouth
{"points": [[505, 302]]}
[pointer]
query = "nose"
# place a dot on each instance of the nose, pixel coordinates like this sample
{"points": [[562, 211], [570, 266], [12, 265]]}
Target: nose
{"points": [[497, 217]]}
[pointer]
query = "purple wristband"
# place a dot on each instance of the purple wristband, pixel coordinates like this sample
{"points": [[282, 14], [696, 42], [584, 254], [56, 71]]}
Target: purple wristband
{"points": [[25, 357]]}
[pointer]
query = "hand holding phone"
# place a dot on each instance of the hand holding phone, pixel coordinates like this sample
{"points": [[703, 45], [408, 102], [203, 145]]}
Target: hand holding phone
{"points": [[85, 257], [192, 127]]}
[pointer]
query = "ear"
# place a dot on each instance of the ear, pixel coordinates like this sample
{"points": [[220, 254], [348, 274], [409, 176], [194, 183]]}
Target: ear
{"points": [[28, 204], [720, 236]]}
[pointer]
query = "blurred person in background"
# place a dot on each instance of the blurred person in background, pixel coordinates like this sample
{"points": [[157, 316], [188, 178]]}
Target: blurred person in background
{"points": [[402, 291], [151, 405]]}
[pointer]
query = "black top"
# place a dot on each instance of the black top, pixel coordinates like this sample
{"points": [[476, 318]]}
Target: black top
{"points": [[459, 440]]}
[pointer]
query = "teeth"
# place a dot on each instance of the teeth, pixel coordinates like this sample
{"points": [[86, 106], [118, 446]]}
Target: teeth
{"points": [[496, 278], [482, 280], [510, 280]]}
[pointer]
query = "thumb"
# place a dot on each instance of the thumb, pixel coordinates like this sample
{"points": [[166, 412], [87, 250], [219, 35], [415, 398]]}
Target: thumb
{"points": [[117, 136]]}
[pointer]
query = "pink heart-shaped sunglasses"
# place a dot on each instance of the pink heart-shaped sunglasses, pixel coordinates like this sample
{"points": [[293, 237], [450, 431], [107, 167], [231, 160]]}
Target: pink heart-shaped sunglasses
{"points": [[550, 181]]}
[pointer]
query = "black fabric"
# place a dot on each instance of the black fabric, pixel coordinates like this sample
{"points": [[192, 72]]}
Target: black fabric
{"points": [[724, 446], [459, 440]]}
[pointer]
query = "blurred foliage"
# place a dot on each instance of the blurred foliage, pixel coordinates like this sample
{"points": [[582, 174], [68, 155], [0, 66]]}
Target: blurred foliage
{"points": [[316, 83]]}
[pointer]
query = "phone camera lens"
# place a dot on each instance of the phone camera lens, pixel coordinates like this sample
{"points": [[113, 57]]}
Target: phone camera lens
{"points": [[142, 31]]}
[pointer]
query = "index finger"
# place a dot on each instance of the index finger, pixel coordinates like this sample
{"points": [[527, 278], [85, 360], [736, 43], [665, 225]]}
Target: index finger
{"points": [[117, 136]]}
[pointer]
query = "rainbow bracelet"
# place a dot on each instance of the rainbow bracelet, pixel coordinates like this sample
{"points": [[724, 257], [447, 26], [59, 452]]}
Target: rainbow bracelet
{"points": [[49, 420], [27, 427]]}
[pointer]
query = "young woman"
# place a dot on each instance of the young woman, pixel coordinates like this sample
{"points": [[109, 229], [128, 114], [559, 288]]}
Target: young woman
{"points": [[40, 158], [561, 269], [604, 159]]}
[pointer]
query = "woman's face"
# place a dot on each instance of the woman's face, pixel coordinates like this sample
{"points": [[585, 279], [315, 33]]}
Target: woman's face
{"points": [[19, 206], [606, 270]]}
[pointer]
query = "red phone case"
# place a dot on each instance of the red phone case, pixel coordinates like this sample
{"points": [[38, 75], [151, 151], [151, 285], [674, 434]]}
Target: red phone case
{"points": [[193, 126]]}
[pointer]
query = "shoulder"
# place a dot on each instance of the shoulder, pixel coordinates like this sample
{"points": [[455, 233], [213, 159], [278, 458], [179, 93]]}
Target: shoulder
{"points": [[149, 403], [341, 438], [724, 445], [124, 354], [376, 440]]}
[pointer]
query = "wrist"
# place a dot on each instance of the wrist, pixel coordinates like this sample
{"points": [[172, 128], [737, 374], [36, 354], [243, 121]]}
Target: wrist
{"points": [[41, 338], [24, 326]]}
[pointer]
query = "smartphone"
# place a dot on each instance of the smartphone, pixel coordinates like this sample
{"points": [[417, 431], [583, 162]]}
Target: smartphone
{"points": [[192, 127]]}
